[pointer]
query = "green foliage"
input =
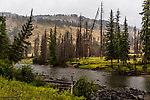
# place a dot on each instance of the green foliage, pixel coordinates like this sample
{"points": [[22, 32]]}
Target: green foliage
{"points": [[125, 46], [110, 43], [117, 41], [6, 68], [22, 73], [20, 44], [38, 81], [36, 60], [145, 32], [36, 46], [101, 64], [4, 40], [26, 61], [85, 88], [25, 74], [24, 91], [52, 48], [43, 55]]}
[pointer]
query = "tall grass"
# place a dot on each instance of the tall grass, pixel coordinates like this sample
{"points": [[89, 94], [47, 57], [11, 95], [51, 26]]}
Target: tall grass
{"points": [[24, 91]]}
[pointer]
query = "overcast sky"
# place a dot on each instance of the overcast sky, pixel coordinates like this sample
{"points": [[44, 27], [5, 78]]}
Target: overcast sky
{"points": [[88, 8]]}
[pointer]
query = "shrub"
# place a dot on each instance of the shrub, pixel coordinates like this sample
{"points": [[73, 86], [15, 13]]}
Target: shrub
{"points": [[38, 81], [85, 88], [25, 74], [6, 68], [36, 60]]}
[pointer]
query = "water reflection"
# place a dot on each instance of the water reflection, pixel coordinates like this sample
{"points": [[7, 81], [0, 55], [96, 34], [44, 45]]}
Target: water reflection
{"points": [[138, 82], [116, 81], [102, 78]]}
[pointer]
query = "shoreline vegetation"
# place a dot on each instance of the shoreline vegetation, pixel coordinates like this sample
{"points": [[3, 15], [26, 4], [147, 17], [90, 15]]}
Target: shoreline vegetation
{"points": [[20, 81], [21, 90], [103, 92], [132, 68]]}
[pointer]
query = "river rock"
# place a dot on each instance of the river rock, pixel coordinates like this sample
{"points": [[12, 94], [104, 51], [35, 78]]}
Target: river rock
{"points": [[119, 94]]}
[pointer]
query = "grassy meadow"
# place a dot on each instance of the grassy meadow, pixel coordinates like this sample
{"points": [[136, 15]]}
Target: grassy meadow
{"points": [[15, 90], [96, 62]]}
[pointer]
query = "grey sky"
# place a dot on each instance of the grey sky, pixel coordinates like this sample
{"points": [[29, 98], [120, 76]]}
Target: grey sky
{"points": [[128, 8]]}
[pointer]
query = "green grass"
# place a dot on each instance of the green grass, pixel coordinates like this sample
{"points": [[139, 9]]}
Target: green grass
{"points": [[96, 62], [26, 61], [24, 91]]}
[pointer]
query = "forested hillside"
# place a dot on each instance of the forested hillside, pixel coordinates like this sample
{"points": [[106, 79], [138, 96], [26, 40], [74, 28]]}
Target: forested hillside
{"points": [[63, 22]]}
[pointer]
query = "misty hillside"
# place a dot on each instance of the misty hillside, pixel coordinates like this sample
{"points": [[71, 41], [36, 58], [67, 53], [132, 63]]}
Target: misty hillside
{"points": [[45, 22]]}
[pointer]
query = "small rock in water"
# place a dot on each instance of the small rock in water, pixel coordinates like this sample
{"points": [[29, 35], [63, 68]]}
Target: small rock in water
{"points": [[103, 75], [51, 78]]}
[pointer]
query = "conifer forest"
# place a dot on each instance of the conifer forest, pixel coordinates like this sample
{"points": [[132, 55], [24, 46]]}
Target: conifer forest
{"points": [[77, 50]]}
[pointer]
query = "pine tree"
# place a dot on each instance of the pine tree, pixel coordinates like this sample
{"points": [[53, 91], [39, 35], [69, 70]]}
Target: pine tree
{"points": [[66, 45], [78, 44], [117, 37], [62, 50], [55, 46], [58, 50], [52, 47], [145, 32], [20, 44], [140, 44], [43, 49], [135, 40], [110, 47], [125, 44], [71, 46], [26, 52], [4, 41], [36, 46]]}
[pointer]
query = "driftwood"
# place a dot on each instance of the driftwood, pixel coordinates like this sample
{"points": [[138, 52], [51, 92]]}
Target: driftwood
{"points": [[61, 84]]}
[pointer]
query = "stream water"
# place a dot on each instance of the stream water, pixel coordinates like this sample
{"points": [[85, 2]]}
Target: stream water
{"points": [[102, 78]]}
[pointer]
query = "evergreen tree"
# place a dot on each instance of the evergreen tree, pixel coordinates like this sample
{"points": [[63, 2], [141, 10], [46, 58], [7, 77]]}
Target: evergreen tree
{"points": [[62, 51], [58, 50], [36, 46], [71, 47], [52, 47], [26, 52], [20, 43], [4, 41], [135, 41], [125, 44], [117, 37], [110, 47], [79, 40], [66, 45], [78, 43], [145, 32], [43, 49], [140, 44]]}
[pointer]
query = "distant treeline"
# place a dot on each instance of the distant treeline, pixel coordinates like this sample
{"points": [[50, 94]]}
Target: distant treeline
{"points": [[59, 23]]}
